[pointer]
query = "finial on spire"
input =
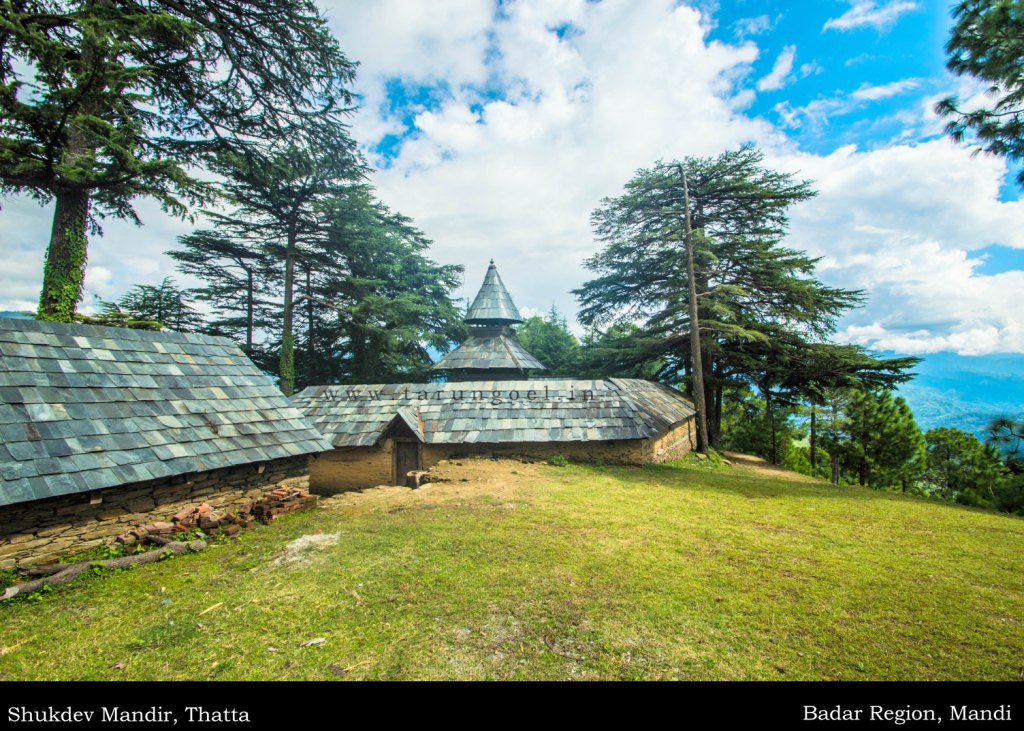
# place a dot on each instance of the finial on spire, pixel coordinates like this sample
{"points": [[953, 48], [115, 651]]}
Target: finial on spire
{"points": [[492, 265]]}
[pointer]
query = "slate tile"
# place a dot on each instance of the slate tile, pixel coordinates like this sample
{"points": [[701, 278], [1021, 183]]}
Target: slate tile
{"points": [[127, 474], [14, 470], [160, 469], [85, 462], [48, 466], [61, 484], [26, 450], [16, 491]]}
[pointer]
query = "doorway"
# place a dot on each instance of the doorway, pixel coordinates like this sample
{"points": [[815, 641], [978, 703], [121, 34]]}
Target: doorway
{"points": [[407, 459]]}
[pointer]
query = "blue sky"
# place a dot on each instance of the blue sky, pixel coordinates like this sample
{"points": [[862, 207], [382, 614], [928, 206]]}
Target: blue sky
{"points": [[893, 61], [499, 127]]}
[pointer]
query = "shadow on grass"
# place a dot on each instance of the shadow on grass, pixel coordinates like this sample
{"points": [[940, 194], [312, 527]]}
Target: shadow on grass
{"points": [[726, 480]]}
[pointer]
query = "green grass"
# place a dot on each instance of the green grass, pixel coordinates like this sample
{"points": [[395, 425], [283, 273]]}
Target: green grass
{"points": [[666, 572]]}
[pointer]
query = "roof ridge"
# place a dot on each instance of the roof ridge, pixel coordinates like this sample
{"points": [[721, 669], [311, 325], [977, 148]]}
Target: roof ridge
{"points": [[111, 332]]}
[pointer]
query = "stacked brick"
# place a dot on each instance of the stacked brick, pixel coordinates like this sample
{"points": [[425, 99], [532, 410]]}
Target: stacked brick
{"points": [[279, 501], [42, 531]]}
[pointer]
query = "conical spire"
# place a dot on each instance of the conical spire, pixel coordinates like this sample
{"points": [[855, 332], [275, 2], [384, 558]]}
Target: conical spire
{"points": [[491, 352], [493, 304]]}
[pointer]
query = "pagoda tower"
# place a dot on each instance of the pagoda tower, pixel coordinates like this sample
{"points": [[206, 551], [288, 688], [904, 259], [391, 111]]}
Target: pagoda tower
{"points": [[490, 353]]}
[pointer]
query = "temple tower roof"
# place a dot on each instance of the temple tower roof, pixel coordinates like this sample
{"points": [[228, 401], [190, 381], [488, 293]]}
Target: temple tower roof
{"points": [[493, 304], [491, 352]]}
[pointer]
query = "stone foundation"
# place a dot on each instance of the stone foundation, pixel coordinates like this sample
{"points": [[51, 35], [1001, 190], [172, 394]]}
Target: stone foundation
{"points": [[44, 530]]}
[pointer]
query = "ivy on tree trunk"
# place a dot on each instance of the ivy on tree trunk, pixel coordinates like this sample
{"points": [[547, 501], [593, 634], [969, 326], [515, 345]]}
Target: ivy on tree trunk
{"points": [[64, 271]]}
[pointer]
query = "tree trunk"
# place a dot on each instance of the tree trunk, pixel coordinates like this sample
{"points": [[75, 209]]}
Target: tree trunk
{"points": [[862, 467], [287, 363], [249, 308], [63, 573], [356, 347], [64, 271], [709, 397], [695, 354], [771, 421], [716, 430], [813, 443], [835, 440], [311, 329]]}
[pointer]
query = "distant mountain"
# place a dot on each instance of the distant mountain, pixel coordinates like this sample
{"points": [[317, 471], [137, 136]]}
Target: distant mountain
{"points": [[13, 313], [964, 391]]}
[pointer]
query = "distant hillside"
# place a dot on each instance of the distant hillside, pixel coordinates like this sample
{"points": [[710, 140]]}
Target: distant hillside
{"points": [[14, 313], [965, 392]]}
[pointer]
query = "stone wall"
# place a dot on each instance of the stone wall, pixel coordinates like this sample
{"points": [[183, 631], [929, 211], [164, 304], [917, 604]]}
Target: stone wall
{"points": [[626, 451], [673, 444], [44, 530], [351, 468], [676, 443]]}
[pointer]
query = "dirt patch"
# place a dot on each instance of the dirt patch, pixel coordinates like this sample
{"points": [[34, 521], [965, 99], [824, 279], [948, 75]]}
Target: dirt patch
{"points": [[762, 467], [452, 481], [300, 549]]}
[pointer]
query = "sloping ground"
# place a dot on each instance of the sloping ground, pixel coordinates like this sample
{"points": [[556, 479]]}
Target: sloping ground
{"points": [[528, 571], [764, 468]]}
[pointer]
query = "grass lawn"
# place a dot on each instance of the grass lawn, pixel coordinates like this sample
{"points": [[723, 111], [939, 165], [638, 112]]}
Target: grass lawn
{"points": [[517, 571]]}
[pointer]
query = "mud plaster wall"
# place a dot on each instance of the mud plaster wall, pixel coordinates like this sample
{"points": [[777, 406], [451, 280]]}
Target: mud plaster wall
{"points": [[357, 467], [349, 468], [676, 443], [43, 530], [673, 444]]}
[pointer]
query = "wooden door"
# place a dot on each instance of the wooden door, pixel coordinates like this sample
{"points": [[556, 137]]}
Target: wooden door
{"points": [[407, 459]]}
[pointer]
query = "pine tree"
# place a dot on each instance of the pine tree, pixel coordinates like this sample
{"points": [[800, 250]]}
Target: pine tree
{"points": [[278, 193], [885, 448], [549, 340], [238, 278], [165, 303], [104, 102], [987, 43], [749, 286], [383, 303]]}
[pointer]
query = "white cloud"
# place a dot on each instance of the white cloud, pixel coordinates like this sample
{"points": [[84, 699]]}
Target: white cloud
{"points": [[516, 177], [816, 113], [529, 130], [746, 27], [811, 68], [901, 223], [779, 76], [869, 92], [868, 13]]}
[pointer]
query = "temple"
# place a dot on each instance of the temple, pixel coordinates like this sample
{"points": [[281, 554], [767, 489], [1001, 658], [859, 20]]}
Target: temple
{"points": [[489, 405], [491, 352]]}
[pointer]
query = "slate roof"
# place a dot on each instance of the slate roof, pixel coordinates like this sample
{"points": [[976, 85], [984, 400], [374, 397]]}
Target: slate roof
{"points": [[492, 352], [493, 304], [485, 411], [85, 408]]}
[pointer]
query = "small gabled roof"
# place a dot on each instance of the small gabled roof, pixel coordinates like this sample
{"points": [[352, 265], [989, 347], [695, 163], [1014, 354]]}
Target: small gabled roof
{"points": [[85, 408], [493, 304], [491, 352], [556, 410]]}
